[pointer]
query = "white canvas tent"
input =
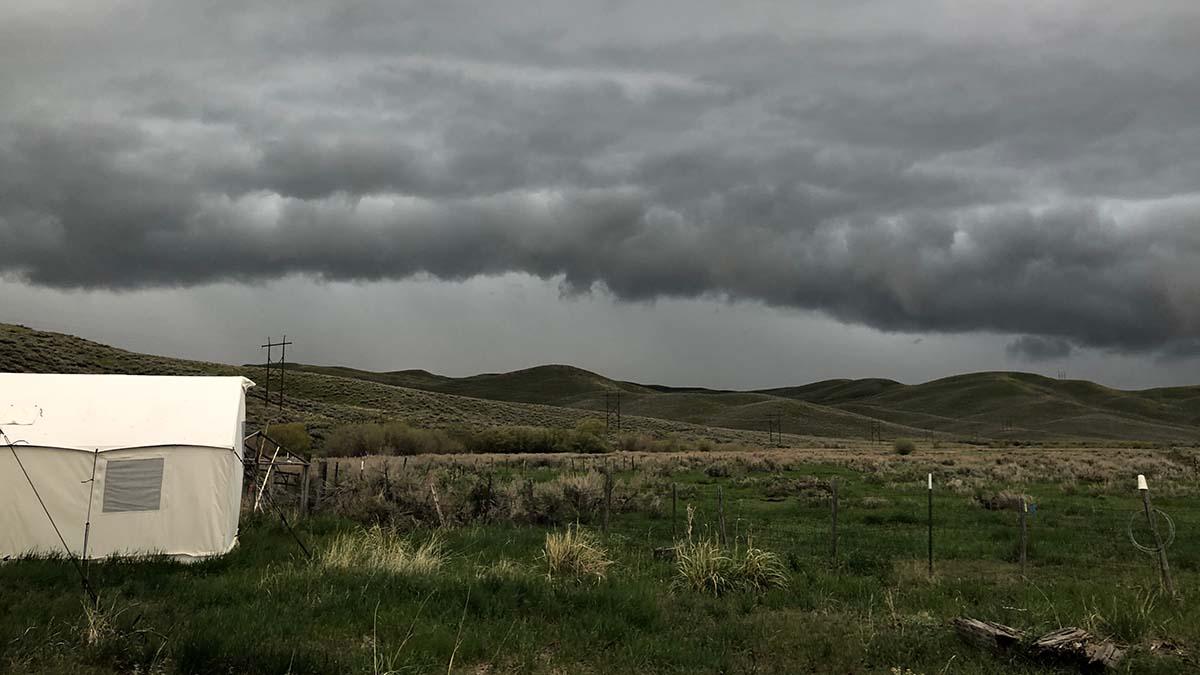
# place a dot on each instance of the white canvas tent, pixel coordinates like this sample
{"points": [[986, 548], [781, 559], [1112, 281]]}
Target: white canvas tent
{"points": [[166, 453]]}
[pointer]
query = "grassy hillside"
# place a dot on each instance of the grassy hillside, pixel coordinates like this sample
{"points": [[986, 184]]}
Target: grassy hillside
{"points": [[322, 399], [572, 387], [1012, 406]]}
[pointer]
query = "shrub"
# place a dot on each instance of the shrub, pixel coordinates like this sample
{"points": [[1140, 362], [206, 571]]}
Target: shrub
{"points": [[591, 425], [354, 440], [293, 437], [393, 438], [575, 554], [719, 469], [904, 446], [401, 439], [535, 440]]}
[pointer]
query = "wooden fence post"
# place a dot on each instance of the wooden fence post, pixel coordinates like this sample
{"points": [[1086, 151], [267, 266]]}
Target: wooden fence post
{"points": [[304, 490], [1152, 519], [437, 505], [323, 472]]}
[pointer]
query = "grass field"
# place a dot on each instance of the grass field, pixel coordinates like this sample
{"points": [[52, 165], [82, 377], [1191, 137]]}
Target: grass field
{"points": [[486, 604], [717, 555]]}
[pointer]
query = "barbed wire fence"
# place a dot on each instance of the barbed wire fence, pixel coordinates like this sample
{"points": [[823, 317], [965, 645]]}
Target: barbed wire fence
{"points": [[876, 521]]}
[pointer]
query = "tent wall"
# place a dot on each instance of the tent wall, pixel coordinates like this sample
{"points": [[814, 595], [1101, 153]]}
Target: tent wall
{"points": [[198, 502]]}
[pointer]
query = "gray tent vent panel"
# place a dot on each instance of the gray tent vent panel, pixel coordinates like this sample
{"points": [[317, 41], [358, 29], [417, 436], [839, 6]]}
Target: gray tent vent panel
{"points": [[133, 485]]}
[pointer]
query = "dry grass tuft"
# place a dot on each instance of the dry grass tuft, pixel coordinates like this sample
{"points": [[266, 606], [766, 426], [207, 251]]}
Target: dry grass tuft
{"points": [[575, 553], [500, 570], [384, 550], [704, 567]]}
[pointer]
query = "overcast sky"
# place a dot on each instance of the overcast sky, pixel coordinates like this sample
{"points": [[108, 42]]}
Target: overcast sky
{"points": [[708, 193]]}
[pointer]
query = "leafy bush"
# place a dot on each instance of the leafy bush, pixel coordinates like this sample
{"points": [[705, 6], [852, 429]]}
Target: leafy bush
{"points": [[719, 469], [904, 446], [591, 425], [393, 438], [293, 437], [535, 440], [355, 440]]}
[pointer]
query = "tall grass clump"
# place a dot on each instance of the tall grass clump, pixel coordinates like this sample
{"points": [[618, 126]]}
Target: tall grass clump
{"points": [[112, 634], [1127, 622], [704, 567], [380, 549], [575, 553]]}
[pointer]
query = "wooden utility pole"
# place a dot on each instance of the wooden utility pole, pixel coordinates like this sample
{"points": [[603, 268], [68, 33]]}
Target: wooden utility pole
{"points": [[1152, 520]]}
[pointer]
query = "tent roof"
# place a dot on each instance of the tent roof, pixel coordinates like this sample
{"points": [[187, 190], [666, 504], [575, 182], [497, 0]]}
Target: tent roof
{"points": [[109, 412]]}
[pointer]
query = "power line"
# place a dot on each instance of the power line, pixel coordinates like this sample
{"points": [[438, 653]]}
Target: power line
{"points": [[270, 347]]}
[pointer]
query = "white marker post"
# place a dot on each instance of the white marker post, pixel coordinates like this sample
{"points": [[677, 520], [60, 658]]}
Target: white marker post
{"points": [[1152, 520], [931, 524]]}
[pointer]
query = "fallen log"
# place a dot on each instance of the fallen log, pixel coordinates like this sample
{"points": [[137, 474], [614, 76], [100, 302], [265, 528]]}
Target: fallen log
{"points": [[1067, 646], [988, 635], [1078, 647]]}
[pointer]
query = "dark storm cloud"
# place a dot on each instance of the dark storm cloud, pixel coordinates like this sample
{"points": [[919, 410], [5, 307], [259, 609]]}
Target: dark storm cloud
{"points": [[1034, 348], [1034, 177]]}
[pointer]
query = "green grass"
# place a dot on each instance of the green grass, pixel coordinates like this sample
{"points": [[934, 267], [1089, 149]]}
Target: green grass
{"points": [[489, 603]]}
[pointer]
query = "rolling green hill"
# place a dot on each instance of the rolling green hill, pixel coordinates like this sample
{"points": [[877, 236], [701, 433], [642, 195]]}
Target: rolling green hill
{"points": [[975, 406], [571, 387], [325, 399], [983, 406]]}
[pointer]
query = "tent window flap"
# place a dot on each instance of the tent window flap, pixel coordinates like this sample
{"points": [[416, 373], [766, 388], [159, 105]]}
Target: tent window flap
{"points": [[133, 485]]}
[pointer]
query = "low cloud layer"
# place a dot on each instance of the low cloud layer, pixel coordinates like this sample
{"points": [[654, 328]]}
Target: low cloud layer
{"points": [[1033, 175], [1036, 349]]}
